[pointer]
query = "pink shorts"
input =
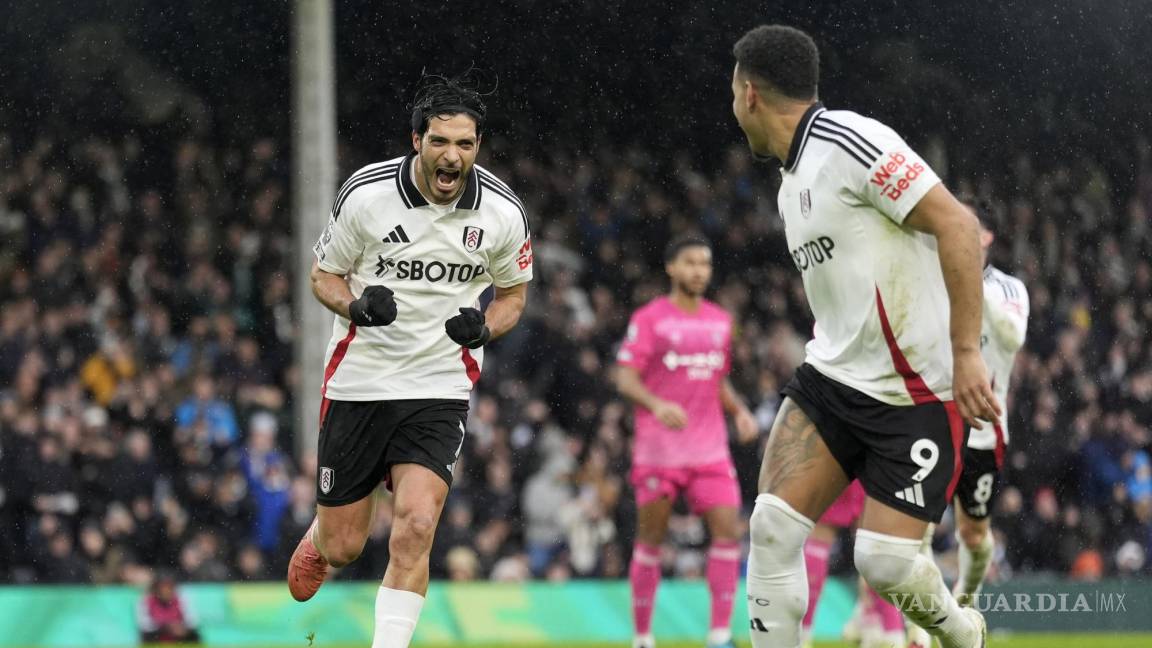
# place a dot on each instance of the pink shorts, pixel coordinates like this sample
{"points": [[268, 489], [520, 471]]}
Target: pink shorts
{"points": [[846, 508], [705, 487]]}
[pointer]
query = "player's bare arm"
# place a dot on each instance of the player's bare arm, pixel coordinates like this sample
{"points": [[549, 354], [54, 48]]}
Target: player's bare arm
{"points": [[376, 306], [331, 290], [957, 234], [505, 309], [631, 386], [746, 427]]}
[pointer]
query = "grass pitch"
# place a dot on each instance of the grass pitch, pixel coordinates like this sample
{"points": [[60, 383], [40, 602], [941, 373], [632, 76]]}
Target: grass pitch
{"points": [[994, 641]]}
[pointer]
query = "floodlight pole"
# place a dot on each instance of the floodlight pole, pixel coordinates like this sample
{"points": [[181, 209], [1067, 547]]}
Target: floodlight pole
{"points": [[313, 185]]}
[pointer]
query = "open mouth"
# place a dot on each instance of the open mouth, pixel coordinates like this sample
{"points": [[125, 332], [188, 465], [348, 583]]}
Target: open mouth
{"points": [[447, 179]]}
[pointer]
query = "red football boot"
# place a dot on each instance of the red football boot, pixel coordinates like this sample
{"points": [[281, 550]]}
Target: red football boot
{"points": [[307, 569]]}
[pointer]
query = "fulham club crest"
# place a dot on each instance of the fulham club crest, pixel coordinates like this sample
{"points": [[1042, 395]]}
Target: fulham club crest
{"points": [[472, 238], [325, 480], [805, 203]]}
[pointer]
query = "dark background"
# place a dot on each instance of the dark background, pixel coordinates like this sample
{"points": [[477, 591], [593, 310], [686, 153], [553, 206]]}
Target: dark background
{"points": [[1059, 79]]}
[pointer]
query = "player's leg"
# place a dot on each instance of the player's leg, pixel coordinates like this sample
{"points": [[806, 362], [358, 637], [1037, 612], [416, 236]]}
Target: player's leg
{"points": [[419, 498], [714, 493], [974, 497], [349, 454], [425, 446], [974, 555], [817, 550], [841, 514], [918, 637], [653, 508], [799, 478], [910, 469]]}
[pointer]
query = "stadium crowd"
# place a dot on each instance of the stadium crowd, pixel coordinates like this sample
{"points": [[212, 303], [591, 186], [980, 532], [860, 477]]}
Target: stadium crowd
{"points": [[146, 377]]}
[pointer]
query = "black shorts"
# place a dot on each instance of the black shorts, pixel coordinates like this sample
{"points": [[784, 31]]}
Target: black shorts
{"points": [[361, 441], [979, 483], [907, 457]]}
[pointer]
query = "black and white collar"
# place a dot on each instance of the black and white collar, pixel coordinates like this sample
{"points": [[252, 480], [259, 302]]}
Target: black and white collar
{"points": [[800, 137], [469, 199]]}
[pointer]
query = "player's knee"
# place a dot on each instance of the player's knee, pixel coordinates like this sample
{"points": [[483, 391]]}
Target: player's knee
{"points": [[885, 562], [412, 533], [776, 527], [342, 550], [972, 534]]}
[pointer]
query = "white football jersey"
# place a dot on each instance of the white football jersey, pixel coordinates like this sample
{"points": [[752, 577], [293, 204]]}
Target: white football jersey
{"points": [[1001, 336], [436, 259], [874, 285]]}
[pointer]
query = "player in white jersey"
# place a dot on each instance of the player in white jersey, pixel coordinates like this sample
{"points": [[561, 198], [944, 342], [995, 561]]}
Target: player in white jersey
{"points": [[410, 246], [891, 266], [1002, 334]]}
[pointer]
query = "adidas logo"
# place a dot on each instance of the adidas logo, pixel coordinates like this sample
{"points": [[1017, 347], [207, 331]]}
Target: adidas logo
{"points": [[913, 494], [397, 235]]}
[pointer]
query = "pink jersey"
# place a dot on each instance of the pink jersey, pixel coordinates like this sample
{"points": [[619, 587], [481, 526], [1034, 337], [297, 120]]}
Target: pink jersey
{"points": [[682, 357]]}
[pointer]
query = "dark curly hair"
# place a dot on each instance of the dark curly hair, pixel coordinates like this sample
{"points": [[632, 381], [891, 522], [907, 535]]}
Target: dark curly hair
{"points": [[441, 96], [987, 216], [783, 57], [683, 242]]}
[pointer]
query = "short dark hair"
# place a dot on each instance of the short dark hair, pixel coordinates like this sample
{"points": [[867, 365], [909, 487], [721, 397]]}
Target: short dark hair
{"points": [[988, 217], [440, 96], [678, 244], [783, 57]]}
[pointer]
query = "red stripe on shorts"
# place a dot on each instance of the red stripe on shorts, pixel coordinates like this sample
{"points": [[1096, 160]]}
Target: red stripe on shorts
{"points": [[956, 426], [999, 450]]}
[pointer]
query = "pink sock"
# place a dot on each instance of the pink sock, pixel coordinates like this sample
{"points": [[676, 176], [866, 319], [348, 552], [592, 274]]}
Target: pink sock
{"points": [[816, 563], [890, 617], [645, 576], [723, 572]]}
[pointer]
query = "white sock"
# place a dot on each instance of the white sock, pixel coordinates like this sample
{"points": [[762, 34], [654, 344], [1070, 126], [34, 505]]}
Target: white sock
{"points": [[926, 548], [777, 579], [718, 636], [644, 641], [896, 568], [973, 565], [396, 614]]}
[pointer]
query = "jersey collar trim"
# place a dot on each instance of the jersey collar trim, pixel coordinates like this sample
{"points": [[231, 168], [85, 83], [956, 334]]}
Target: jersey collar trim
{"points": [[800, 137], [469, 199]]}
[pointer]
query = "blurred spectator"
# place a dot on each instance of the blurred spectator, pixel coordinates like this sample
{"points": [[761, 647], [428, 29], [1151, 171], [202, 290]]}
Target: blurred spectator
{"points": [[267, 470], [147, 327], [163, 615], [209, 419]]}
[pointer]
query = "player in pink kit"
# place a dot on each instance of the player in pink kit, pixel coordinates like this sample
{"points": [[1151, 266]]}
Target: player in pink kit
{"points": [[881, 625], [673, 366]]}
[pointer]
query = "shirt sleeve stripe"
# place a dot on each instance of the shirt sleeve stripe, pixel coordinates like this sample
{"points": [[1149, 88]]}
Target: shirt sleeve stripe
{"points": [[843, 146], [366, 180], [824, 130], [510, 198], [372, 169], [826, 122], [499, 186]]}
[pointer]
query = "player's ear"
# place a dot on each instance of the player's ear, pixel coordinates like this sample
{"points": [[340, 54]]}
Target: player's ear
{"points": [[416, 141], [751, 97]]}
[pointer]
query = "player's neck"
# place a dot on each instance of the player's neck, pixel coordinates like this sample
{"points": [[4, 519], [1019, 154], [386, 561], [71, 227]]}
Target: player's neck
{"points": [[684, 301], [781, 126]]}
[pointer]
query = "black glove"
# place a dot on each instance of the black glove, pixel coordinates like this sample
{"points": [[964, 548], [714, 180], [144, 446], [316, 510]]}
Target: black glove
{"points": [[375, 307], [468, 329]]}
